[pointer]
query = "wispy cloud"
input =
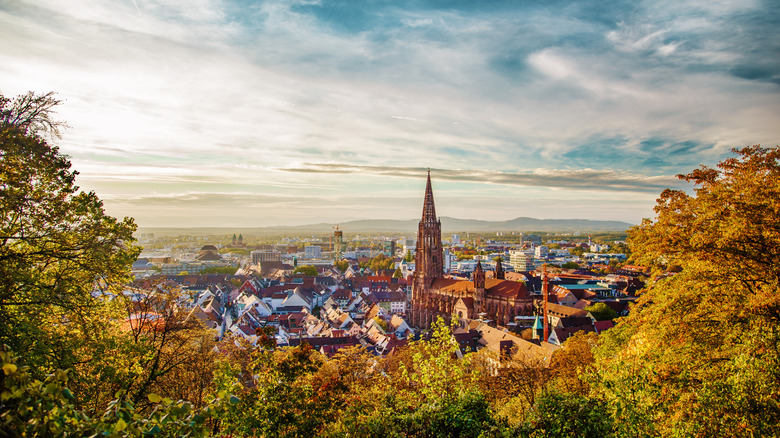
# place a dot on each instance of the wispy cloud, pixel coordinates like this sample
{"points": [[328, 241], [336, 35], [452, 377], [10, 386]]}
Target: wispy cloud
{"points": [[577, 179]]}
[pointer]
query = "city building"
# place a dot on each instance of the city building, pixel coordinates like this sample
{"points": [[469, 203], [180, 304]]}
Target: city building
{"points": [[313, 252], [522, 260], [266, 255]]}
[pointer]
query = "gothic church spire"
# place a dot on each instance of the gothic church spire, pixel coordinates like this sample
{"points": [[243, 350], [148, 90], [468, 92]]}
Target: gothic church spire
{"points": [[429, 209], [429, 260]]}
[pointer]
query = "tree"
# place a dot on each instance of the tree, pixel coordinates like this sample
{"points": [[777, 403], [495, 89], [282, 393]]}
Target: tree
{"points": [[342, 265], [63, 266], [47, 407], [220, 270], [601, 312], [379, 262], [31, 114], [166, 350], [567, 415], [57, 245], [569, 366], [700, 353], [280, 400], [308, 270]]}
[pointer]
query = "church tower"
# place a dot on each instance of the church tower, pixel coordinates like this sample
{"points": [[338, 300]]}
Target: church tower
{"points": [[500, 275], [429, 261], [479, 288]]}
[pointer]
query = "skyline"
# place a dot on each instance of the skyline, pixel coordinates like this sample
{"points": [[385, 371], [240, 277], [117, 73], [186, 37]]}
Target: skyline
{"points": [[243, 114]]}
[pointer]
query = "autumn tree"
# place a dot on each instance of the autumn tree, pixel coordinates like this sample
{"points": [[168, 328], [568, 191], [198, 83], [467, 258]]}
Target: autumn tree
{"points": [[379, 262], [279, 400], [57, 245], [601, 312], [341, 265], [47, 407], [64, 265], [700, 353]]}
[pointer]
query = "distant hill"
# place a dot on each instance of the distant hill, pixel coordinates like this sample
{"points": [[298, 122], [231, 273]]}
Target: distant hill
{"points": [[449, 225]]}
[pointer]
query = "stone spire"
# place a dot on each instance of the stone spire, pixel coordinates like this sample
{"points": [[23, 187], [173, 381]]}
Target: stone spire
{"points": [[429, 209]]}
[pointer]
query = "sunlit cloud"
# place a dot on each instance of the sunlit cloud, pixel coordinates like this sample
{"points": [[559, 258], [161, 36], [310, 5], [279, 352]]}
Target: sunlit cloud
{"points": [[579, 179], [332, 100]]}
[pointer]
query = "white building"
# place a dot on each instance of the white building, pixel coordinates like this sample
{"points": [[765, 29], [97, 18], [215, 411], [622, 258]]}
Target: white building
{"points": [[313, 252], [522, 260]]}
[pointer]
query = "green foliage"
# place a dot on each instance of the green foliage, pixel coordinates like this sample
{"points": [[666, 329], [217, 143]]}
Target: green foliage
{"points": [[63, 266], [699, 355], [47, 407], [280, 400], [567, 415], [621, 248], [341, 265], [308, 270], [379, 262], [435, 372], [57, 247], [467, 415], [220, 270], [423, 391], [601, 312], [382, 323], [570, 265]]}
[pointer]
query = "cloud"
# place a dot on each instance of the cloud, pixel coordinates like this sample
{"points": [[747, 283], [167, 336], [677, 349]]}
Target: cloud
{"points": [[579, 179], [230, 97]]}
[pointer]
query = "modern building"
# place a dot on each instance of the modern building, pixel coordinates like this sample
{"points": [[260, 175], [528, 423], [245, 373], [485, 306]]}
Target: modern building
{"points": [[266, 255], [313, 252], [522, 260]]}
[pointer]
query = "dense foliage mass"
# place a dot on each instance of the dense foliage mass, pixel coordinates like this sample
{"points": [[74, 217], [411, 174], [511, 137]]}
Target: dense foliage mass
{"points": [[700, 355], [83, 355], [64, 267]]}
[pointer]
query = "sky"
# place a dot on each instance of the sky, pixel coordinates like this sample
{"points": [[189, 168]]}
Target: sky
{"points": [[233, 113]]}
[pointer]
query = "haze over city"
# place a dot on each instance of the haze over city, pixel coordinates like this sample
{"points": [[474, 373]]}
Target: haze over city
{"points": [[229, 113]]}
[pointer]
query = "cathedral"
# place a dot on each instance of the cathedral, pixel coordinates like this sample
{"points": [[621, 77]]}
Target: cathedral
{"points": [[434, 294]]}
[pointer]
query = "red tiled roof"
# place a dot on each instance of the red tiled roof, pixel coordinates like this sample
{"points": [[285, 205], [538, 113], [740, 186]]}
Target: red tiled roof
{"points": [[600, 326], [468, 302]]}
